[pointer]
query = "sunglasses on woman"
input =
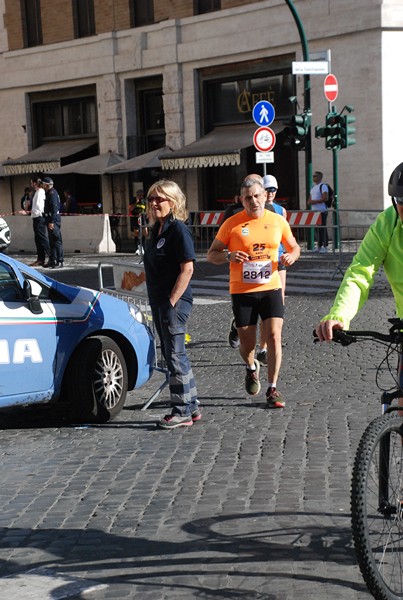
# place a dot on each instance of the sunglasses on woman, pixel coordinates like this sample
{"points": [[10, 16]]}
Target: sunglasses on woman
{"points": [[156, 199]]}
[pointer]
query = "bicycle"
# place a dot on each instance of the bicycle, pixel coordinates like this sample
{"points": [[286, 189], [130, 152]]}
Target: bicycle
{"points": [[377, 479]]}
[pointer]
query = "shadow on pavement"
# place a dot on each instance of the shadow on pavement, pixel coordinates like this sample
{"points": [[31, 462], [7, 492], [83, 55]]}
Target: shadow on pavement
{"points": [[244, 545]]}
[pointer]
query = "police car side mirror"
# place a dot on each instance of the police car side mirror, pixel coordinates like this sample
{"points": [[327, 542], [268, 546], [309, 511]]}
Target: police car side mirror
{"points": [[33, 301]]}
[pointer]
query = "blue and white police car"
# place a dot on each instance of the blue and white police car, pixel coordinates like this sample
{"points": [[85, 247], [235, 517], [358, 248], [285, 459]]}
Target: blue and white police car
{"points": [[68, 344], [5, 235]]}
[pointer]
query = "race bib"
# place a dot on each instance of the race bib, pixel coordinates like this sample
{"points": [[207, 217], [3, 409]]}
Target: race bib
{"points": [[256, 272]]}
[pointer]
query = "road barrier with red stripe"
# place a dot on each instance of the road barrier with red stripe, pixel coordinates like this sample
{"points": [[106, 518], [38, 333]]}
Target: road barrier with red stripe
{"points": [[211, 218], [296, 218], [302, 218]]}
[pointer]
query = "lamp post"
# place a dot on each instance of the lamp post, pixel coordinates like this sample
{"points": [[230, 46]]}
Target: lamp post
{"points": [[307, 110], [307, 96]]}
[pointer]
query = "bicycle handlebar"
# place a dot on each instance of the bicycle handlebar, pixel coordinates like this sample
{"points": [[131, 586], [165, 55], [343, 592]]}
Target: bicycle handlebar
{"points": [[345, 338]]}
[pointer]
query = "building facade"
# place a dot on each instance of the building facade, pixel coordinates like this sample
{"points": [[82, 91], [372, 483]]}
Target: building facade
{"points": [[84, 77]]}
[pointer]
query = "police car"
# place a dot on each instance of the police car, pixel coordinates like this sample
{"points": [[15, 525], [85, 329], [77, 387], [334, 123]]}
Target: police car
{"points": [[68, 344], [5, 235]]}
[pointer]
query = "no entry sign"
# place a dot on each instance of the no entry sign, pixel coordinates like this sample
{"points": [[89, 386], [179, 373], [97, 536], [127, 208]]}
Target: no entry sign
{"points": [[331, 88]]}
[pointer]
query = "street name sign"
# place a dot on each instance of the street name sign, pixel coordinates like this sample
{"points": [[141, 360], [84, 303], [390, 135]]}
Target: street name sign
{"points": [[310, 67]]}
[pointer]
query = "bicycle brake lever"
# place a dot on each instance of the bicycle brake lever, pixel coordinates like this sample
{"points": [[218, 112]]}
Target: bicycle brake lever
{"points": [[341, 337]]}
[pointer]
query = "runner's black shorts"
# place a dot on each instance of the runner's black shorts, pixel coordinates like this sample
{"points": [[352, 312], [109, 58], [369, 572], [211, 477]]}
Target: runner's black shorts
{"points": [[248, 307]]}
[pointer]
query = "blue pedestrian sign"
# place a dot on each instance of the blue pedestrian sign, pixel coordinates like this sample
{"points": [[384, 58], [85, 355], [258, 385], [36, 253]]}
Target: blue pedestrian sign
{"points": [[263, 113]]}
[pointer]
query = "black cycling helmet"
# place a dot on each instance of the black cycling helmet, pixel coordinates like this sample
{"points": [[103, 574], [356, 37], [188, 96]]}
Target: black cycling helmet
{"points": [[395, 188]]}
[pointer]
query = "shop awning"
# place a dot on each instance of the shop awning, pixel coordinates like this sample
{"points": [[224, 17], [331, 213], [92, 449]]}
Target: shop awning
{"points": [[149, 160], [46, 157], [221, 147], [96, 165]]}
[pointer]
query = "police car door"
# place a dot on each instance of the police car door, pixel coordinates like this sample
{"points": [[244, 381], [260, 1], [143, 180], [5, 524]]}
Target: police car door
{"points": [[28, 342]]}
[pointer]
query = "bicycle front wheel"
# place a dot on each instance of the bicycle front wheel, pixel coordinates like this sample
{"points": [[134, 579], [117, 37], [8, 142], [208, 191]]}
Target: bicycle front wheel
{"points": [[377, 507]]}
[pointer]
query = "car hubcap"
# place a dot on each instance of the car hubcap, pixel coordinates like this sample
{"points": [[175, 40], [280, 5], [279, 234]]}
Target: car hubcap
{"points": [[108, 380]]}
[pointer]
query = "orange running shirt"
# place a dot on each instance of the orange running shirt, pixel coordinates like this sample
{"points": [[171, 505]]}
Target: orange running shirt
{"points": [[260, 238]]}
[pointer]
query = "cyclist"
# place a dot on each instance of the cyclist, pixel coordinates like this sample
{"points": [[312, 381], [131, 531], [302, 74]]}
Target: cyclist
{"points": [[382, 245]]}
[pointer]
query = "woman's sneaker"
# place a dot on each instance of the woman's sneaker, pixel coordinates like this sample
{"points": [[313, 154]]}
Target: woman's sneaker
{"points": [[274, 399], [175, 420], [196, 415], [252, 383]]}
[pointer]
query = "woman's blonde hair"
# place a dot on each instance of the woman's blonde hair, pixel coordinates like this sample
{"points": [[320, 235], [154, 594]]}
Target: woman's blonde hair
{"points": [[171, 191]]}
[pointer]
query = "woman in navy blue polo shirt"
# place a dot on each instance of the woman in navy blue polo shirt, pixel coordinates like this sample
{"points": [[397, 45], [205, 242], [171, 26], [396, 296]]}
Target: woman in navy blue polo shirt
{"points": [[168, 262]]}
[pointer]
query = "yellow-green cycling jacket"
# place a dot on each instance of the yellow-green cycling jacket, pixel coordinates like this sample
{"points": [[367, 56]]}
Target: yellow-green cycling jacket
{"points": [[382, 244]]}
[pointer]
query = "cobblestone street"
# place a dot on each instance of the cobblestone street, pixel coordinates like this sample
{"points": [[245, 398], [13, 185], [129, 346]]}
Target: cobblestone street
{"points": [[248, 503]]}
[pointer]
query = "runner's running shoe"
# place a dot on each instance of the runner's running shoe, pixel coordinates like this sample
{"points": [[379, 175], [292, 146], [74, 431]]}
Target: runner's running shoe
{"points": [[262, 356], [252, 383], [274, 399], [233, 337]]}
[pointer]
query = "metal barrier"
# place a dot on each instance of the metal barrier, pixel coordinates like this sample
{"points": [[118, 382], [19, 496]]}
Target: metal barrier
{"points": [[129, 285], [305, 225]]}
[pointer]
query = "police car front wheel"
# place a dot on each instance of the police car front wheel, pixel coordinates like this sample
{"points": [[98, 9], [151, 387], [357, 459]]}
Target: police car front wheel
{"points": [[97, 380]]}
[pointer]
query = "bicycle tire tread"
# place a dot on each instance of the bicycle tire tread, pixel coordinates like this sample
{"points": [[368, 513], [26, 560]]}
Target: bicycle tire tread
{"points": [[369, 440]]}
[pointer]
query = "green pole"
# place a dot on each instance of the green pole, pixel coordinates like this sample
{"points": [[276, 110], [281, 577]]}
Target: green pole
{"points": [[336, 230], [307, 109]]}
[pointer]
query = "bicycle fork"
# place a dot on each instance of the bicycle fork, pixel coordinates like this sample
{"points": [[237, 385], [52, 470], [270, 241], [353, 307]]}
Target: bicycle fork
{"points": [[386, 508]]}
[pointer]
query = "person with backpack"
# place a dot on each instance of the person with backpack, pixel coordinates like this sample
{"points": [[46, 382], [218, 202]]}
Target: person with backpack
{"points": [[318, 201]]}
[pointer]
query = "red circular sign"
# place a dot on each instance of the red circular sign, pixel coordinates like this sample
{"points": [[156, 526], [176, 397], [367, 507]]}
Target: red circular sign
{"points": [[264, 139], [331, 88]]}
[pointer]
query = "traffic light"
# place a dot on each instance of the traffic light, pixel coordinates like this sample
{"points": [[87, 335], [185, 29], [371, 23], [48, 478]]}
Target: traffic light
{"points": [[333, 131], [338, 131], [297, 129], [320, 132], [347, 131]]}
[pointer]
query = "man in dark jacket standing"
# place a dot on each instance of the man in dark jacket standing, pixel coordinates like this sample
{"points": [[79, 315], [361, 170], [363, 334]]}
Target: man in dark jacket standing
{"points": [[53, 222]]}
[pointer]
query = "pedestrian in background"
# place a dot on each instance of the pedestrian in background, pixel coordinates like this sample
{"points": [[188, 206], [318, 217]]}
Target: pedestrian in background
{"points": [[39, 223], [249, 241], [137, 210], [233, 208], [317, 201], [168, 264], [69, 206], [271, 186], [53, 223], [26, 200]]}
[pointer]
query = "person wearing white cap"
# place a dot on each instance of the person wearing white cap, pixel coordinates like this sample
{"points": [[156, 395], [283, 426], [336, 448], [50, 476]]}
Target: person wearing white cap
{"points": [[271, 186]]}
